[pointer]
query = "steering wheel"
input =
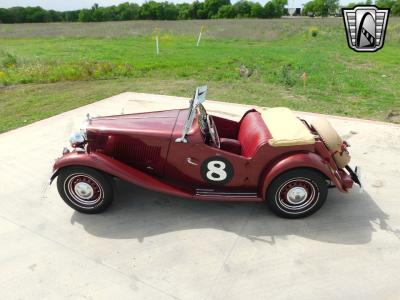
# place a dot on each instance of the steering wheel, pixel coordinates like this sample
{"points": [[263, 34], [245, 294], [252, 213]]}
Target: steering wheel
{"points": [[203, 120], [213, 131]]}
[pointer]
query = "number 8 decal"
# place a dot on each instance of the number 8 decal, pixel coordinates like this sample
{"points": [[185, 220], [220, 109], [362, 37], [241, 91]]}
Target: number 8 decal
{"points": [[216, 170]]}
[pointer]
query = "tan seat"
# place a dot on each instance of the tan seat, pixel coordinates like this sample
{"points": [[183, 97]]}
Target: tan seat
{"points": [[286, 129]]}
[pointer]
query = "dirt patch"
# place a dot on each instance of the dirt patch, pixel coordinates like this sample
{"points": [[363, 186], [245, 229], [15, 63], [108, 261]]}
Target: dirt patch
{"points": [[394, 116]]}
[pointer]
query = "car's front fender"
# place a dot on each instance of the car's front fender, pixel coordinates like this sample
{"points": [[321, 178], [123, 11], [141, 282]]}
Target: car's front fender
{"points": [[300, 160], [115, 168]]}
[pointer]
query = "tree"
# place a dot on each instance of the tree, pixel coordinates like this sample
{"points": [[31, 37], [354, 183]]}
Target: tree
{"points": [[212, 6], [242, 9], [153, 10], [331, 7], [279, 7], [226, 12], [386, 3], [310, 8], [35, 15], [183, 11], [54, 16], [71, 16], [396, 8], [85, 15], [127, 11], [5, 16], [148, 11], [257, 11], [322, 8], [17, 14], [275, 8], [198, 11], [269, 10], [166, 11]]}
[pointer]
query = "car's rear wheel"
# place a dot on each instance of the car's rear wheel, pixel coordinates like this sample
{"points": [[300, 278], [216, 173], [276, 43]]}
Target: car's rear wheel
{"points": [[85, 189], [297, 193]]}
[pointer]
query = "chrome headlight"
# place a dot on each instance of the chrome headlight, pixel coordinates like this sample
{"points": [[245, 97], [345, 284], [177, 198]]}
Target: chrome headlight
{"points": [[83, 133], [76, 139], [83, 129]]}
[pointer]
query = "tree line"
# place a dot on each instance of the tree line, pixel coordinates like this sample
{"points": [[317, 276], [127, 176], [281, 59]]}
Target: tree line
{"points": [[394, 6], [326, 8], [151, 10]]}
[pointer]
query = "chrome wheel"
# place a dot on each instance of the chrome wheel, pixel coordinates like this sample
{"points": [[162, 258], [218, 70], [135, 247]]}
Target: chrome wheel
{"points": [[84, 190], [297, 195]]}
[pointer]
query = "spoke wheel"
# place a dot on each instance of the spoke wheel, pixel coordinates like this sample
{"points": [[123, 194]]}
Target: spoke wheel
{"points": [[84, 189], [297, 193]]}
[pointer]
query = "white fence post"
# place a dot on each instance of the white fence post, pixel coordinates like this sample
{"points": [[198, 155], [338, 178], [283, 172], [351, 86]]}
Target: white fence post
{"points": [[157, 33], [199, 38], [158, 49]]}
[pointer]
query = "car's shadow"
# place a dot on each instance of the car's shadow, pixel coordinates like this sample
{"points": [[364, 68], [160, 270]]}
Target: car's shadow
{"points": [[137, 213]]}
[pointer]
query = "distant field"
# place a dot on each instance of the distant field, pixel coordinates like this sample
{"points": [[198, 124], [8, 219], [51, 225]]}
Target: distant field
{"points": [[249, 29], [49, 68]]}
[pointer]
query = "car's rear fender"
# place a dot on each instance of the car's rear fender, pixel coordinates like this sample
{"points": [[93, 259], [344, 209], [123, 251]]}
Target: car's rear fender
{"points": [[115, 168], [308, 160]]}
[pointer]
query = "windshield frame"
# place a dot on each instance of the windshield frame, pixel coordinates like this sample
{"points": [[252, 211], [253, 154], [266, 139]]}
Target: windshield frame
{"points": [[198, 98]]}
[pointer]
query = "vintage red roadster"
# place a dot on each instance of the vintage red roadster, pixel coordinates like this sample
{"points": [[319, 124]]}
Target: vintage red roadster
{"points": [[269, 155]]}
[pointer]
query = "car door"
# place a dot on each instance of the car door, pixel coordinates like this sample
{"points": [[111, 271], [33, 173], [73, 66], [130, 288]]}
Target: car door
{"points": [[196, 165]]}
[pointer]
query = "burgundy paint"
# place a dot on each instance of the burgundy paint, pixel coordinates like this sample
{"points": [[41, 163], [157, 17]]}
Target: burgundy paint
{"points": [[111, 166], [141, 149]]}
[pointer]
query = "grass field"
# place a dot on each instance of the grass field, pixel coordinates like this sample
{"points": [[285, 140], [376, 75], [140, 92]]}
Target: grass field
{"points": [[49, 68]]}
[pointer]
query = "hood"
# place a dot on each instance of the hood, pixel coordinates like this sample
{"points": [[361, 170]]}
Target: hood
{"points": [[151, 123]]}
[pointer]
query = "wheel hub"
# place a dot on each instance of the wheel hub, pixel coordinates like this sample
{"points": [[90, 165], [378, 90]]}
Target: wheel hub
{"points": [[296, 195], [84, 190]]}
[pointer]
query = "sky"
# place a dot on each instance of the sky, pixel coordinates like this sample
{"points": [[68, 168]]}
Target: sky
{"points": [[63, 5]]}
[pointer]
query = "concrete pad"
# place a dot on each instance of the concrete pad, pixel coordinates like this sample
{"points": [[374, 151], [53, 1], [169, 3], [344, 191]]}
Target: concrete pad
{"points": [[154, 246]]}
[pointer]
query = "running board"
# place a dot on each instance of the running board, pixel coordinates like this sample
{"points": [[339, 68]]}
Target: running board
{"points": [[227, 196]]}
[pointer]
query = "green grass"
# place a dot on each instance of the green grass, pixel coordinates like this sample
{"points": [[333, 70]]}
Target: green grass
{"points": [[45, 74], [24, 104]]}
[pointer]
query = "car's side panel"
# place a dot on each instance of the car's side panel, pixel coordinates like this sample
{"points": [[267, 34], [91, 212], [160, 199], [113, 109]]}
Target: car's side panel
{"points": [[185, 161], [139, 151], [138, 140], [299, 160], [116, 168], [193, 166]]}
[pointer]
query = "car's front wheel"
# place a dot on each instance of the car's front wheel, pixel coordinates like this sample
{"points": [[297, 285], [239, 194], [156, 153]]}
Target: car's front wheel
{"points": [[85, 189], [297, 193]]}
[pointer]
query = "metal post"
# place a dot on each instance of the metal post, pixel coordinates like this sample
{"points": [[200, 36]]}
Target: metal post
{"points": [[158, 49], [199, 38]]}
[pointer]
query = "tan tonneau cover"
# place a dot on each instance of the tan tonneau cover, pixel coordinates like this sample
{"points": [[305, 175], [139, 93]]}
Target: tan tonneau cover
{"points": [[286, 129]]}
